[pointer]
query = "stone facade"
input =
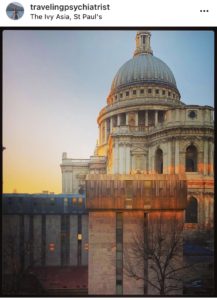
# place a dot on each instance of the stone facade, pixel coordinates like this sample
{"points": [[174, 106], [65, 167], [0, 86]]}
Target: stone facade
{"points": [[144, 130], [74, 171]]}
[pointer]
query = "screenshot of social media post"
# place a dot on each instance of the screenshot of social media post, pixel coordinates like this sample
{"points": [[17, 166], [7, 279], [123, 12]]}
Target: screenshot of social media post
{"points": [[108, 149]]}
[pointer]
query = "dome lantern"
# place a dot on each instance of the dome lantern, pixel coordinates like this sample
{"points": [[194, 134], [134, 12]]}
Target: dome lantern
{"points": [[143, 41]]}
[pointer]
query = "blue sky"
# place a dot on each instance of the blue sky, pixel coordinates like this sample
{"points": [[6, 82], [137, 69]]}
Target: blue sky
{"points": [[56, 82]]}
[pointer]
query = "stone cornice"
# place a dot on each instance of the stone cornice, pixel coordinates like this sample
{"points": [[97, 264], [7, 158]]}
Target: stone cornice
{"points": [[172, 133]]}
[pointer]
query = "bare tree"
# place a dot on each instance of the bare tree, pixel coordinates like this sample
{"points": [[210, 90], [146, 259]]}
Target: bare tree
{"points": [[155, 255]]}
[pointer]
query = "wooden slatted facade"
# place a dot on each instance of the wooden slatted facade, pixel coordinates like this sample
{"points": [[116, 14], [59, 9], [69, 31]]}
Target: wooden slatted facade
{"points": [[146, 192]]}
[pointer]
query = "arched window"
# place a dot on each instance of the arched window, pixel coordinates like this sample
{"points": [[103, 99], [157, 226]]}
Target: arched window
{"points": [[191, 211], [191, 159], [159, 161]]}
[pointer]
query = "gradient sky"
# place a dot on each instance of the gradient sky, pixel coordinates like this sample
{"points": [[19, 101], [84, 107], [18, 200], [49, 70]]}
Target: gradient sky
{"points": [[56, 82]]}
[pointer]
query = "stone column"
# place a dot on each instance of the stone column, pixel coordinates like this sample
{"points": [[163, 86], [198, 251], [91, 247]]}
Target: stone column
{"points": [[211, 158], [181, 162], [172, 156], [165, 159], [106, 132], [211, 116], [150, 160], [176, 157], [205, 116], [156, 118], [136, 118], [63, 182], [124, 159], [132, 162], [108, 121], [200, 163], [147, 162], [111, 125], [146, 118], [118, 120], [99, 142], [205, 157], [128, 159], [169, 160], [67, 182], [101, 131], [127, 118], [177, 115], [121, 158], [100, 135], [115, 161]]}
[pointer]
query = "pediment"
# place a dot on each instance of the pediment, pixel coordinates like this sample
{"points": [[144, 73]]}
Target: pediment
{"points": [[139, 149]]}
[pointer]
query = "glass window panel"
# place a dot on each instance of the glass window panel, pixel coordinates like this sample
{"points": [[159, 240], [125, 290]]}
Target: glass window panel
{"points": [[119, 224], [119, 235], [119, 289], [119, 246], [79, 236], [119, 264], [119, 276], [119, 273]]}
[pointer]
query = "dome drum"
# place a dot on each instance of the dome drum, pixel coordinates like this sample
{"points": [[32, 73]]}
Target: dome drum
{"points": [[146, 90], [143, 83]]}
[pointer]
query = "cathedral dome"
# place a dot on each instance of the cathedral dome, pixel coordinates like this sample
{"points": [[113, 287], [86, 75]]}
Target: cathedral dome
{"points": [[143, 69]]}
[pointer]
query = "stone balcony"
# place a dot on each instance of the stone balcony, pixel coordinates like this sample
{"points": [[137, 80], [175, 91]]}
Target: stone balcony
{"points": [[142, 129]]}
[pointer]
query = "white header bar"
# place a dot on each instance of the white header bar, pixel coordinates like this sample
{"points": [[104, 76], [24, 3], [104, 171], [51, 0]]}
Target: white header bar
{"points": [[100, 13]]}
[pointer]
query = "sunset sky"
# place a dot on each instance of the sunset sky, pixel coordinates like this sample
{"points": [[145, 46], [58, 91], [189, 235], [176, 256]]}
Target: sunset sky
{"points": [[56, 82]]}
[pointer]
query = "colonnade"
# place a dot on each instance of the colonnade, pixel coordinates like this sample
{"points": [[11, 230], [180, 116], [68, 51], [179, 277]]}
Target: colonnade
{"points": [[126, 119]]}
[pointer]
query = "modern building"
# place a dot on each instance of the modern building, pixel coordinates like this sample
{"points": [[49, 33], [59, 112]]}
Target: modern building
{"points": [[53, 227], [45, 235]]}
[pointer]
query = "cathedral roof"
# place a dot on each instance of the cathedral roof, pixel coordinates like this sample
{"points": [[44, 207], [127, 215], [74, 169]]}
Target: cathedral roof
{"points": [[143, 67]]}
